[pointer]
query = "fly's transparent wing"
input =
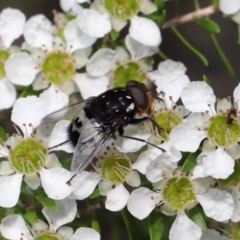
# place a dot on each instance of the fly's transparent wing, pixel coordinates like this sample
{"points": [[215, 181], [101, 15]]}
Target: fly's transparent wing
{"points": [[90, 142], [68, 113]]}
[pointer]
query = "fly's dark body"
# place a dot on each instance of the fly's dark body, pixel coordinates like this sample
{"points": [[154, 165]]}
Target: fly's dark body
{"points": [[98, 118]]}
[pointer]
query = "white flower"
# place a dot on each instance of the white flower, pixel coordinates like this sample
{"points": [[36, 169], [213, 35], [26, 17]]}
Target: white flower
{"points": [[115, 67], [28, 157], [220, 126], [179, 193], [102, 17], [14, 227], [229, 6], [50, 61], [11, 27], [113, 169]]}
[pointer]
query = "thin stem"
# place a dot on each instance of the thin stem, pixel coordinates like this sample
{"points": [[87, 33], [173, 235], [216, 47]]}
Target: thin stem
{"points": [[189, 17], [196, 3], [222, 55], [162, 55], [190, 47]]}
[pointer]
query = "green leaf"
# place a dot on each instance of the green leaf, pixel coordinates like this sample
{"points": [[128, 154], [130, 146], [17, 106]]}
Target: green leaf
{"points": [[198, 218], [190, 161], [157, 17], [190, 47], [215, 3], [156, 225], [2, 134], [95, 224], [127, 222], [45, 200], [160, 4], [114, 34], [95, 194], [28, 91], [69, 17], [208, 25], [206, 80], [30, 216]]}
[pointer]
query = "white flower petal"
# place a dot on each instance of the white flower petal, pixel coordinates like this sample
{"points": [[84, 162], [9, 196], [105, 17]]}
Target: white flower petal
{"points": [[76, 38], [29, 110], [67, 210], [21, 69], [236, 94], [58, 136], [236, 17], [32, 180], [85, 84], [94, 23], [38, 32], [10, 186], [202, 185], [223, 105], [52, 161], [118, 24], [198, 172], [138, 50], [5, 168], [217, 204], [11, 25], [85, 184], [212, 234], [40, 82], [184, 228], [145, 31], [85, 234], [134, 179], [174, 153], [198, 97], [117, 198], [160, 167], [39, 226], [233, 151], [101, 62], [142, 201], [8, 94], [131, 145], [142, 162], [53, 177], [218, 164], [147, 7], [65, 232], [14, 227], [171, 67], [4, 152], [104, 187], [81, 57], [229, 6], [236, 211], [186, 136], [121, 54], [54, 99], [66, 5]]}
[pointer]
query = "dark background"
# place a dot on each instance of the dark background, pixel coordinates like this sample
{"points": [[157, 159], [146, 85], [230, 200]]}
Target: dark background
{"points": [[221, 81]]}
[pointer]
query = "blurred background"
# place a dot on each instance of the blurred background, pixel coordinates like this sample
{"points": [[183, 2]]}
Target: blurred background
{"points": [[221, 81]]}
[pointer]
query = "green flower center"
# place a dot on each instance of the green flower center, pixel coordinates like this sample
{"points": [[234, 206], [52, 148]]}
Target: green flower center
{"points": [[48, 236], [4, 55], [234, 179], [58, 67], [178, 193], [28, 156], [128, 71], [223, 134], [235, 231], [122, 9], [115, 168], [167, 120]]}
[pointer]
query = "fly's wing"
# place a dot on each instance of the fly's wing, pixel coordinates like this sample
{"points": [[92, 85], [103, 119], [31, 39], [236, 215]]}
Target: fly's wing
{"points": [[90, 142], [67, 113]]}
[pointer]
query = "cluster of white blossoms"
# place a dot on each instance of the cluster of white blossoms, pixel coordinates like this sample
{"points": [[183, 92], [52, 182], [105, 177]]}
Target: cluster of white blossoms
{"points": [[192, 159]]}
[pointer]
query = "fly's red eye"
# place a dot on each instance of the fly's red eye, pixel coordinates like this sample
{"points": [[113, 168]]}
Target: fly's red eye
{"points": [[141, 96]]}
